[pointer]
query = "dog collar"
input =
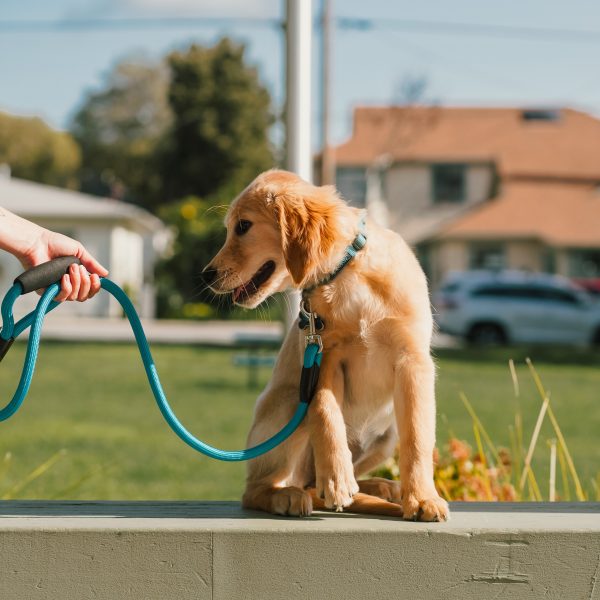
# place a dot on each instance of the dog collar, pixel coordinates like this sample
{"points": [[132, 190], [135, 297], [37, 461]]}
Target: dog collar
{"points": [[358, 243]]}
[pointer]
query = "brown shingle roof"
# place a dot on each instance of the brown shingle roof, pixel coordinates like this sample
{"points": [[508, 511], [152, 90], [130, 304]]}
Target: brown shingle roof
{"points": [[560, 214], [567, 148]]}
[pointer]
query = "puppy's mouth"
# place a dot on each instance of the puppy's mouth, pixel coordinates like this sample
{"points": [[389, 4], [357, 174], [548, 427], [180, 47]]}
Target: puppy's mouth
{"points": [[249, 289]]}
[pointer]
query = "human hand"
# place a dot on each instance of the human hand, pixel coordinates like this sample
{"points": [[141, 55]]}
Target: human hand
{"points": [[82, 281], [34, 245]]}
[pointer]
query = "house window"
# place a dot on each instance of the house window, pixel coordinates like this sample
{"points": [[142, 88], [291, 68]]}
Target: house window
{"points": [[584, 263], [449, 183], [351, 182], [540, 114], [487, 256]]}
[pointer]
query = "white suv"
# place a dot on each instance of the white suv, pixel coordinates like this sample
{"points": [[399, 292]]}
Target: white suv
{"points": [[490, 308]]}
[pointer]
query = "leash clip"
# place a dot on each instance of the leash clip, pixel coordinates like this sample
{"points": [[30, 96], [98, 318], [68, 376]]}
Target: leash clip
{"points": [[312, 337]]}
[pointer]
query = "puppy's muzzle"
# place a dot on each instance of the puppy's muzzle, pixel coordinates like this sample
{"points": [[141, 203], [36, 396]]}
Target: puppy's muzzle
{"points": [[209, 274]]}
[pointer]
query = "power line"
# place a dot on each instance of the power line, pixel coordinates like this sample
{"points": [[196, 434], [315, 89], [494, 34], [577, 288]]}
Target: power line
{"points": [[471, 29], [340, 22], [128, 24]]}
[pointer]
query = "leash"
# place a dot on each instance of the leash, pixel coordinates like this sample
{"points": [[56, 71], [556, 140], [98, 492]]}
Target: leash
{"points": [[48, 274]]}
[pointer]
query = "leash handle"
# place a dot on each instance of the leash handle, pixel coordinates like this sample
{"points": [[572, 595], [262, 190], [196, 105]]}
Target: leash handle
{"points": [[45, 274]]}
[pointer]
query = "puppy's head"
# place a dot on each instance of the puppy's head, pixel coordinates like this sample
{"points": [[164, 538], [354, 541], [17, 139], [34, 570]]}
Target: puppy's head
{"points": [[280, 230]]}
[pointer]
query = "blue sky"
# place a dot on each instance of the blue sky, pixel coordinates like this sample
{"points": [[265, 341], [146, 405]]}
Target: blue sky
{"points": [[47, 74]]}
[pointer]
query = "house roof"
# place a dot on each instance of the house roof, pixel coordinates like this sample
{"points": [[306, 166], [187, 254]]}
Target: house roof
{"points": [[36, 200], [557, 213], [568, 147]]}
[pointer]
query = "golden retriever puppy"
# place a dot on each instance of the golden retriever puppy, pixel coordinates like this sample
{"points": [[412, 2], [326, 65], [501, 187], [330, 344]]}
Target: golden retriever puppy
{"points": [[376, 383]]}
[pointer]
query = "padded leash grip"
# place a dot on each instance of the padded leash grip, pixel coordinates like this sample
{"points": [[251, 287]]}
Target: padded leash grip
{"points": [[45, 274]]}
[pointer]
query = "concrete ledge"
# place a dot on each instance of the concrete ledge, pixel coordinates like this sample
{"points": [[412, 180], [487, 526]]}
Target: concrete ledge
{"points": [[181, 550]]}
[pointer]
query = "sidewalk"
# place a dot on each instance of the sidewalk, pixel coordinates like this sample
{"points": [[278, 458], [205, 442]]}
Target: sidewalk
{"points": [[210, 333]]}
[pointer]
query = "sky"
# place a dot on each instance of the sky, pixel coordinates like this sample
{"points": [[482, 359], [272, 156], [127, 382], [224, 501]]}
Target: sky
{"points": [[48, 73]]}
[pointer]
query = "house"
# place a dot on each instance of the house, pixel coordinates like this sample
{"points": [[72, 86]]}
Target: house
{"points": [[123, 237], [481, 187]]}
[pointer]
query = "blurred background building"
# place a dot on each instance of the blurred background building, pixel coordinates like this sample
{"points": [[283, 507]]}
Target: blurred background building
{"points": [[125, 238], [482, 188]]}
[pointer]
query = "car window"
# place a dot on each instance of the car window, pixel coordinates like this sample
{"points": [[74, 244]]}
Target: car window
{"points": [[506, 291], [557, 295], [525, 292]]}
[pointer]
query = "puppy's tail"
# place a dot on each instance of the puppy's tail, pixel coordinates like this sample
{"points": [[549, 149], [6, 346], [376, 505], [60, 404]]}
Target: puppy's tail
{"points": [[362, 504]]}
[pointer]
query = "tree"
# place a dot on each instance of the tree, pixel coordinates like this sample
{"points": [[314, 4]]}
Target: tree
{"points": [[217, 143], [119, 128], [199, 235], [37, 152], [178, 138], [221, 118]]}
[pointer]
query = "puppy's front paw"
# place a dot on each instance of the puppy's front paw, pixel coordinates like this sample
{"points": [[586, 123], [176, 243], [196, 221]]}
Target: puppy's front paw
{"points": [[426, 505], [337, 486]]}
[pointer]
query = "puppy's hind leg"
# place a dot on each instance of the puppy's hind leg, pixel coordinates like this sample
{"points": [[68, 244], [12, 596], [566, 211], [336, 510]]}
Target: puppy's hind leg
{"points": [[287, 501], [363, 504]]}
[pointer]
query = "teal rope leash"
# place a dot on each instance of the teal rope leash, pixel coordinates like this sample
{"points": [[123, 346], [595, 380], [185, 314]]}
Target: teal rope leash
{"points": [[35, 319]]}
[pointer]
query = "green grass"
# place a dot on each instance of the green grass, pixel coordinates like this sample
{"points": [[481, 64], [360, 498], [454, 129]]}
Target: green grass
{"points": [[93, 400], [571, 377]]}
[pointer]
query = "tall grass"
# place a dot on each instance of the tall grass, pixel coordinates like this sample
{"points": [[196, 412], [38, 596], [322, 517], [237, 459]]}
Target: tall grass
{"points": [[488, 472]]}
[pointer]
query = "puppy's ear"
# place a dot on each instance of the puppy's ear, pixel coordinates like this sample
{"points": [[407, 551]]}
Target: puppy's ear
{"points": [[305, 216]]}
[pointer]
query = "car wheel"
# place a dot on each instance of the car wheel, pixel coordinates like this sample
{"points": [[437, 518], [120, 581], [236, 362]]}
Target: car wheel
{"points": [[487, 334]]}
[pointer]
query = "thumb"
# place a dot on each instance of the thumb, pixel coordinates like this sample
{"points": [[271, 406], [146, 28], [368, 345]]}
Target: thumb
{"points": [[90, 263]]}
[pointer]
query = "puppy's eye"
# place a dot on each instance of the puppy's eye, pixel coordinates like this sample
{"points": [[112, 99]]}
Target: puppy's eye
{"points": [[242, 227]]}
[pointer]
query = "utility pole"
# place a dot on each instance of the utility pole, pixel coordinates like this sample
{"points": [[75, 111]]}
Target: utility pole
{"points": [[299, 28], [298, 87], [327, 153]]}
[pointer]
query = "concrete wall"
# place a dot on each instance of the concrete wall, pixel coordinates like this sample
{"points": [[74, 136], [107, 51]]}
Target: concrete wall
{"points": [[216, 551]]}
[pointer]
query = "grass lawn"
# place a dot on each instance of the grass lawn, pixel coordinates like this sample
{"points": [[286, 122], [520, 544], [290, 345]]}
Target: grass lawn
{"points": [[93, 401]]}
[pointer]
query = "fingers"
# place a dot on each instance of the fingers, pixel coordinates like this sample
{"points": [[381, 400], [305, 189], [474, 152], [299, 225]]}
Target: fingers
{"points": [[65, 289], [75, 275], [95, 285], [78, 285], [86, 284]]}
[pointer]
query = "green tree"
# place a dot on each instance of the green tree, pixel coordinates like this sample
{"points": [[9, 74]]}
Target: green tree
{"points": [[221, 117], [119, 128], [199, 233], [37, 152], [217, 143]]}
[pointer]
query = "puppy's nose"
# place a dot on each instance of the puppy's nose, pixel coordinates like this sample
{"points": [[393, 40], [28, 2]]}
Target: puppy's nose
{"points": [[209, 275]]}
